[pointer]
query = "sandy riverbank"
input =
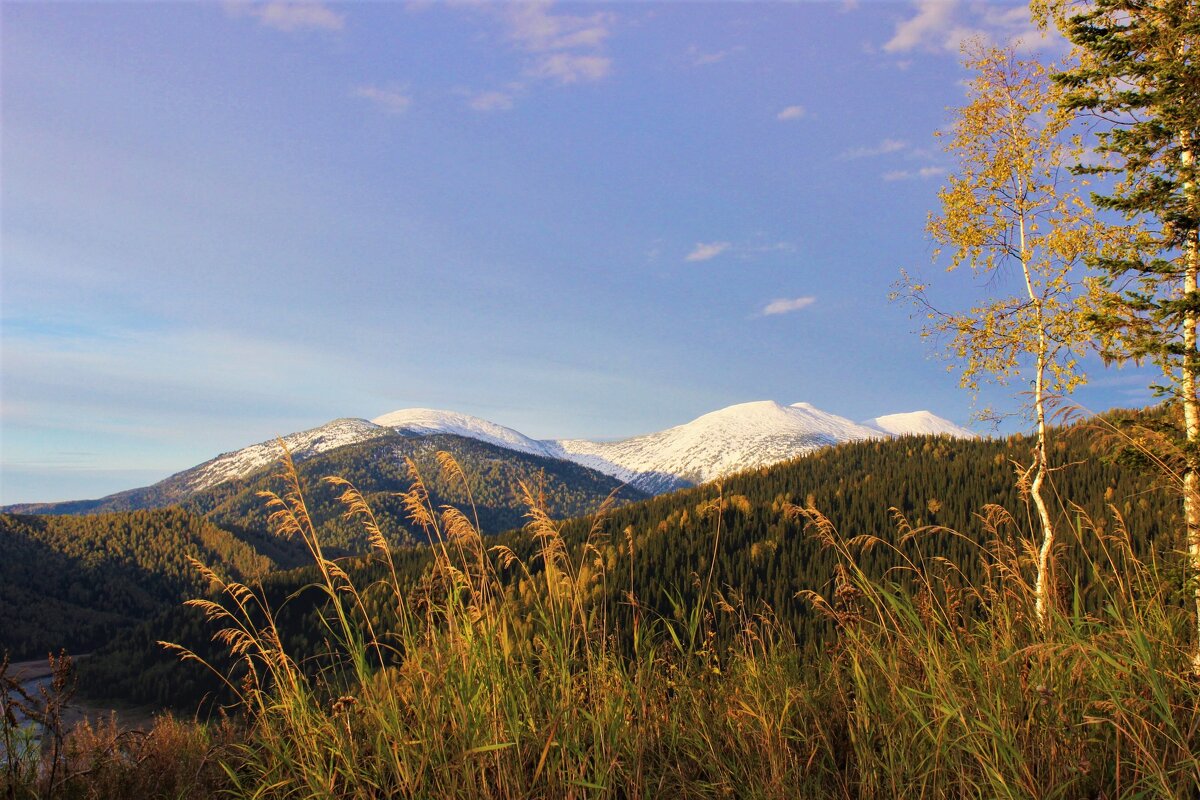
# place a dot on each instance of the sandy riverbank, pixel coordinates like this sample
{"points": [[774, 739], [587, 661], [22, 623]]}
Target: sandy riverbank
{"points": [[36, 674]]}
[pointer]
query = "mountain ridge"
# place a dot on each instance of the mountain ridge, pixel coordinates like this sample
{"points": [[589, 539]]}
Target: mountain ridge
{"points": [[731, 439]]}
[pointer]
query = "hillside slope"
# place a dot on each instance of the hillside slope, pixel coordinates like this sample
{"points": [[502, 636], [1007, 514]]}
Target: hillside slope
{"points": [[657, 546], [75, 581]]}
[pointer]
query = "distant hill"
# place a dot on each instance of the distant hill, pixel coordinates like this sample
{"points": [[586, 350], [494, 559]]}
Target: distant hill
{"points": [[916, 423], [76, 581], [730, 440], [377, 466]]}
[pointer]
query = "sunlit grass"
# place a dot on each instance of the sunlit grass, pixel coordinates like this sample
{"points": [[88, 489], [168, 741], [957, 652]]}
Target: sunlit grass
{"points": [[507, 679]]}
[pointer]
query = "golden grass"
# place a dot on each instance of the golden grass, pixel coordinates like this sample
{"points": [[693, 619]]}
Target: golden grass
{"points": [[508, 679]]}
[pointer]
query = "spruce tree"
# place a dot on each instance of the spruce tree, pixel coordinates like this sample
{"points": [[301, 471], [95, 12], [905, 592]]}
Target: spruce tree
{"points": [[1137, 75]]}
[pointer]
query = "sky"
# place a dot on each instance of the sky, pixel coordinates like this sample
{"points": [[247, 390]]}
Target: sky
{"points": [[222, 222]]}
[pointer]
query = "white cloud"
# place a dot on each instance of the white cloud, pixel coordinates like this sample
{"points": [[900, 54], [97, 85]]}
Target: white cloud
{"points": [[906, 151], [770, 247], [491, 101], [125, 378], [564, 47], [571, 67], [786, 306], [944, 25], [700, 58], [755, 247], [791, 112], [391, 101], [703, 251], [922, 173], [883, 148], [536, 28], [289, 16], [930, 22], [555, 47], [1015, 26]]}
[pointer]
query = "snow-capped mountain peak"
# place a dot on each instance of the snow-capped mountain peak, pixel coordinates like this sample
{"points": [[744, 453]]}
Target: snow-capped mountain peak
{"points": [[240, 463], [918, 423], [424, 421], [732, 439], [728, 440]]}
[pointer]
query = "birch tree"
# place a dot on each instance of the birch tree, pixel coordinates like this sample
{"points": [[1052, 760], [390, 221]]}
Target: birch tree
{"points": [[1137, 75], [1013, 213]]}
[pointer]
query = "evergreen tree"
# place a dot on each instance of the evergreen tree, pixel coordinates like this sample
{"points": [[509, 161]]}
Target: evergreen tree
{"points": [[1138, 73]]}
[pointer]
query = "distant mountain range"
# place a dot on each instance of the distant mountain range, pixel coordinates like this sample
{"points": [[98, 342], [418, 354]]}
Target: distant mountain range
{"points": [[732, 439]]}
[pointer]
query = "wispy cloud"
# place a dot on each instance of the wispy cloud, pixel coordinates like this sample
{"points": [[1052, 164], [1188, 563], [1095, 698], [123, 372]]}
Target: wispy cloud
{"points": [[943, 26], [901, 148], [760, 247], [931, 23], [390, 101], [289, 16], [566, 48], [492, 101], [702, 58], [571, 67], [923, 173], [536, 27], [705, 251], [785, 305], [133, 379], [756, 246], [791, 112], [883, 148]]}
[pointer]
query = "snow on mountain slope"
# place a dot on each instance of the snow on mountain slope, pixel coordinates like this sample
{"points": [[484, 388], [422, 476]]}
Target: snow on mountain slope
{"points": [[918, 423], [241, 463], [342, 432], [732, 439], [739, 437], [424, 421]]}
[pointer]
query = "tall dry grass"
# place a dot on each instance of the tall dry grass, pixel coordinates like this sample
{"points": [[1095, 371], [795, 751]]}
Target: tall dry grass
{"points": [[936, 686], [503, 678]]}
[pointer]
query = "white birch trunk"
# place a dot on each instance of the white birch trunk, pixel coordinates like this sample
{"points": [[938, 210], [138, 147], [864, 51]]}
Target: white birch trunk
{"points": [[1041, 591], [1191, 404], [1041, 588]]}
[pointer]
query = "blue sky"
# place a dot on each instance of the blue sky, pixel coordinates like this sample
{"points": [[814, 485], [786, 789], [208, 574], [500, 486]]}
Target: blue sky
{"points": [[224, 222]]}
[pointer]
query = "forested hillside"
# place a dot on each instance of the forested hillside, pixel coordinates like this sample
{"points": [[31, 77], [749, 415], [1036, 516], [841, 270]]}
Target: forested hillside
{"points": [[74, 582], [659, 547], [379, 469], [930, 481]]}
